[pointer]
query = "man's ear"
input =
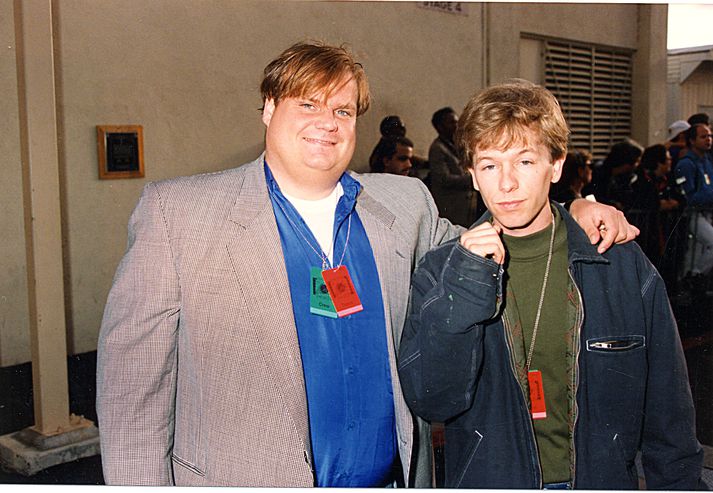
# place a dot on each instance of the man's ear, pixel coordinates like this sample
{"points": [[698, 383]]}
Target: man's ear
{"points": [[267, 111], [471, 170], [557, 170]]}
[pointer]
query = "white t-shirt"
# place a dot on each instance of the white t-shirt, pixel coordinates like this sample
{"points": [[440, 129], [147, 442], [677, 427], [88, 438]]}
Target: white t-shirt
{"points": [[319, 216]]}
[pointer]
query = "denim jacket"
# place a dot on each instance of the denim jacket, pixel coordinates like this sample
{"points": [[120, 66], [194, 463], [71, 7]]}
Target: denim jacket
{"points": [[629, 381]]}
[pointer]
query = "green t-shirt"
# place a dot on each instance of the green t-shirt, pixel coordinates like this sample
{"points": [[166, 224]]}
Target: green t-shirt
{"points": [[525, 273]]}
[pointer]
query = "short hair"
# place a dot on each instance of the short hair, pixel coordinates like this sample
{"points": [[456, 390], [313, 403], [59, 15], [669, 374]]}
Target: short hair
{"points": [[440, 115], [698, 118], [652, 156], [623, 152], [497, 116], [306, 68], [385, 149], [389, 123]]}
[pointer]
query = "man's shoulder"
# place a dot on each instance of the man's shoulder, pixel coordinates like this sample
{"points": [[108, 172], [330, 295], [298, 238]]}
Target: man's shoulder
{"points": [[687, 160], [206, 195], [388, 185], [630, 264], [206, 186]]}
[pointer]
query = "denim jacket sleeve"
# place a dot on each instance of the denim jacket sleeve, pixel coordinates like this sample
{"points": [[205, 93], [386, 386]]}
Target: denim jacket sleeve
{"points": [[441, 346], [671, 455]]}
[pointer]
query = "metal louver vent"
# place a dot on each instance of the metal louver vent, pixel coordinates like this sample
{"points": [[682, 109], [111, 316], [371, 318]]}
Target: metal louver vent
{"points": [[593, 86]]}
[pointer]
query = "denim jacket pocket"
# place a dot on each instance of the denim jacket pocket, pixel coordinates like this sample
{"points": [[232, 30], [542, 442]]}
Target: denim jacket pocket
{"points": [[616, 344]]}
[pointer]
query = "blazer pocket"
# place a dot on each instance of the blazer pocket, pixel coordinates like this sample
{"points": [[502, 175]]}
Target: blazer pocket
{"points": [[616, 344], [187, 465]]}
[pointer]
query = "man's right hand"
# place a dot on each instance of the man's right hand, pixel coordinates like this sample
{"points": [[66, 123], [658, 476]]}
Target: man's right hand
{"points": [[484, 240]]}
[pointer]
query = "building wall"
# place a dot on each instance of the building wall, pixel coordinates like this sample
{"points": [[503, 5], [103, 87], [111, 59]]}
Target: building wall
{"points": [[697, 91], [14, 320], [636, 27], [189, 70], [689, 83]]}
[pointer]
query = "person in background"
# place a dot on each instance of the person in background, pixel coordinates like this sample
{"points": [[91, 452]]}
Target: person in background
{"points": [[655, 202], [644, 206], [699, 118], [576, 174], [676, 142], [393, 127], [551, 365], [393, 155], [694, 173], [451, 187], [611, 182]]}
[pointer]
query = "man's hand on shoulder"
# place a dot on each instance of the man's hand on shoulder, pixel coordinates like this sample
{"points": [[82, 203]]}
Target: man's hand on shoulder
{"points": [[602, 222], [484, 240]]}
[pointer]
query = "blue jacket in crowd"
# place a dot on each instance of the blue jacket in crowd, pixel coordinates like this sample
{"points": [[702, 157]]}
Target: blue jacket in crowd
{"points": [[694, 174], [629, 388]]}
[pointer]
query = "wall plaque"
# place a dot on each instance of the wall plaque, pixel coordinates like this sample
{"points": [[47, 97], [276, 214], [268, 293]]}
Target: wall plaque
{"points": [[121, 151]]}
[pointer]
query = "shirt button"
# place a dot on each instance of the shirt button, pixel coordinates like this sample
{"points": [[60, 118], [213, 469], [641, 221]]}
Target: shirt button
{"points": [[351, 425], [351, 370]]}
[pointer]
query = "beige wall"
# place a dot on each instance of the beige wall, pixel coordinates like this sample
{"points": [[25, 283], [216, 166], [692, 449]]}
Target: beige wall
{"points": [[611, 25], [697, 91], [14, 321], [636, 27], [189, 70], [650, 125]]}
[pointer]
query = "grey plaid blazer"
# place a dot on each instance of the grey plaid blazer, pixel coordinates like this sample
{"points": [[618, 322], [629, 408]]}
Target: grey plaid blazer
{"points": [[199, 378]]}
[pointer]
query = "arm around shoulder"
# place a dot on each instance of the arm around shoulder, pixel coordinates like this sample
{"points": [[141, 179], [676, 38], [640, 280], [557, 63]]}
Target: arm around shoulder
{"points": [[137, 354]]}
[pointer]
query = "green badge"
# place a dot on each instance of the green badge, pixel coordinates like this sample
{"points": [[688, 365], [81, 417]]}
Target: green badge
{"points": [[319, 301]]}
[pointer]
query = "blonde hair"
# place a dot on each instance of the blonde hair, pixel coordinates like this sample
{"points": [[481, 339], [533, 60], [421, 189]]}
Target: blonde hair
{"points": [[497, 117], [307, 68]]}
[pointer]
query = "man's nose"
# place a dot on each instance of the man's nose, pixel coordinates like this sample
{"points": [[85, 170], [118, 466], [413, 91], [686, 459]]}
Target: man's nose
{"points": [[326, 120], [508, 180]]}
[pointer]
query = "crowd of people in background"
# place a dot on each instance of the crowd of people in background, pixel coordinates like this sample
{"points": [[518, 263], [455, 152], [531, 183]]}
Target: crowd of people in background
{"points": [[664, 189]]}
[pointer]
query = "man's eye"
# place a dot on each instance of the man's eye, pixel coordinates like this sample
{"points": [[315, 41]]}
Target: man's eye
{"points": [[344, 113], [527, 162], [307, 106]]}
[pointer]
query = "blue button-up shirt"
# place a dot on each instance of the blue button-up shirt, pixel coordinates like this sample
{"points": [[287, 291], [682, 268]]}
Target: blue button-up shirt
{"points": [[345, 360]]}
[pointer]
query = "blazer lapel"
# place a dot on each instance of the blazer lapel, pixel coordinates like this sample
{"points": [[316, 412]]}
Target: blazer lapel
{"points": [[393, 263], [257, 259], [389, 255]]}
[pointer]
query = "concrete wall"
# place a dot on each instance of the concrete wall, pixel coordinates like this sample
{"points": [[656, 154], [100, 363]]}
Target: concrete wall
{"points": [[697, 91], [636, 27], [14, 321], [189, 70]]}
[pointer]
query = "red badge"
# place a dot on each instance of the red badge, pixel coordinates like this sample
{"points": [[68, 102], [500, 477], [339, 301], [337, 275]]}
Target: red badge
{"points": [[341, 290], [537, 394]]}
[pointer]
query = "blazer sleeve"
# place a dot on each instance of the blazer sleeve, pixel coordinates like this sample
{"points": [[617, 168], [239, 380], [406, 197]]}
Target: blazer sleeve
{"points": [[441, 348], [671, 455], [137, 354]]}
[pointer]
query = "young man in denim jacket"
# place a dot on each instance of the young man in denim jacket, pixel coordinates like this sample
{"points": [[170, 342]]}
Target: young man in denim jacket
{"points": [[550, 363]]}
